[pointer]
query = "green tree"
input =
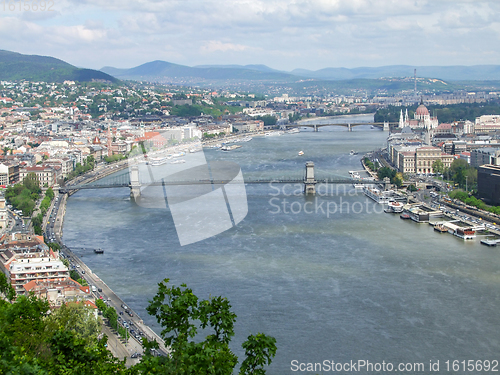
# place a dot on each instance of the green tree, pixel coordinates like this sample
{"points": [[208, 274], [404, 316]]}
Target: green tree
{"points": [[31, 183], [182, 315], [438, 166], [77, 318], [259, 351]]}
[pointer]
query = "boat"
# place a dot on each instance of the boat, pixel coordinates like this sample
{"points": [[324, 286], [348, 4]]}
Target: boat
{"points": [[440, 228], [394, 207], [375, 194], [465, 233], [230, 148], [355, 175], [353, 152], [293, 131], [178, 161], [99, 251], [157, 161], [246, 139], [404, 216], [271, 134], [301, 153]]}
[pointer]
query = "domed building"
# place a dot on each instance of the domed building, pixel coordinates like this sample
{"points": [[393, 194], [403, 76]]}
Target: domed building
{"points": [[421, 119]]}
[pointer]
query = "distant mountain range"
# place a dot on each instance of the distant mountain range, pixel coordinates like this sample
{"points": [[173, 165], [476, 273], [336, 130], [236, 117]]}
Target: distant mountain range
{"points": [[16, 66], [162, 70]]}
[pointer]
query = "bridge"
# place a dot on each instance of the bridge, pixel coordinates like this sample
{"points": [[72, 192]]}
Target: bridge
{"points": [[132, 180], [385, 126]]}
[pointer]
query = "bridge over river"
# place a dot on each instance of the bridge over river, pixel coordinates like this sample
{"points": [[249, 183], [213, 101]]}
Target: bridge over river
{"points": [[385, 126], [132, 180]]}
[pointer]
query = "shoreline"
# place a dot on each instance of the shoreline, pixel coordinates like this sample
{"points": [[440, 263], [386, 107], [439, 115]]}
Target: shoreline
{"points": [[108, 295]]}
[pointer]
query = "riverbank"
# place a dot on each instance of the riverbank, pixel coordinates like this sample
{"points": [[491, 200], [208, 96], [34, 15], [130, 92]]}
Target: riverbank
{"points": [[117, 345]]}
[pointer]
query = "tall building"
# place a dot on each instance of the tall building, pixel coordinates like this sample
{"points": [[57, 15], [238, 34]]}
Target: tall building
{"points": [[25, 257], [488, 183]]}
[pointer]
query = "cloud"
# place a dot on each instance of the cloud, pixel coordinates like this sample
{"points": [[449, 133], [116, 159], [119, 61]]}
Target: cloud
{"points": [[283, 34], [216, 45]]}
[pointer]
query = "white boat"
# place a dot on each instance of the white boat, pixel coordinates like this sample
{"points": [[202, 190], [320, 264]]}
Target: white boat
{"points": [[178, 161], [293, 131], [355, 175], [301, 153], [230, 148], [353, 153], [465, 233], [246, 139], [395, 207], [377, 195], [157, 161]]}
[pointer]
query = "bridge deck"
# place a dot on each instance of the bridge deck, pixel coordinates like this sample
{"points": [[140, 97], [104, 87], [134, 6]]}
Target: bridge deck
{"points": [[220, 182]]}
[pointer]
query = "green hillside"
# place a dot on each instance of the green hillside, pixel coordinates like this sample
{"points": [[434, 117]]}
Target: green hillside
{"points": [[16, 66]]}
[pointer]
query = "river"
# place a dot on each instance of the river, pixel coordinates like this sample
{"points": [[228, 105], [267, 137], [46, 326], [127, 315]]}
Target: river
{"points": [[330, 277]]}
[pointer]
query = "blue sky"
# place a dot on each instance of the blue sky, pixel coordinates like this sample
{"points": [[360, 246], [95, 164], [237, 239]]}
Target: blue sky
{"points": [[284, 35]]}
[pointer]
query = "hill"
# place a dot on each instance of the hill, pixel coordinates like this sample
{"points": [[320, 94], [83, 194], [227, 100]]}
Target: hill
{"points": [[447, 73], [16, 66], [162, 71]]}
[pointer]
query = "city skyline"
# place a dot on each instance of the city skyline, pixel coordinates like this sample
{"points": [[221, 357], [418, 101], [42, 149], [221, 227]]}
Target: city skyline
{"points": [[281, 34]]}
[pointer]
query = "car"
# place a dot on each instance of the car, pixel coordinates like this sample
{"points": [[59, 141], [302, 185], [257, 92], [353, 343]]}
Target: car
{"points": [[83, 271], [130, 313]]}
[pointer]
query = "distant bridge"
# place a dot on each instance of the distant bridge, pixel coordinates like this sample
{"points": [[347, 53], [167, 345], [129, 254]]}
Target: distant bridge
{"points": [[382, 125], [131, 180]]}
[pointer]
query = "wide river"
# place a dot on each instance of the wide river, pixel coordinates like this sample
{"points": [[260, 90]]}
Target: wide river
{"points": [[343, 285]]}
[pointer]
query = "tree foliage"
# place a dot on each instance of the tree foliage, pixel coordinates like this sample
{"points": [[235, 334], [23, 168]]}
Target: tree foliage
{"points": [[23, 196], [34, 340], [182, 316]]}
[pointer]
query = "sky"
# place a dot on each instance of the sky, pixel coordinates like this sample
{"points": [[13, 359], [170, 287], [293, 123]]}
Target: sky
{"points": [[282, 34]]}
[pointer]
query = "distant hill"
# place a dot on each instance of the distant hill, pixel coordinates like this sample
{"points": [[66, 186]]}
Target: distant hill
{"points": [[446, 73], [162, 71], [259, 67], [16, 66]]}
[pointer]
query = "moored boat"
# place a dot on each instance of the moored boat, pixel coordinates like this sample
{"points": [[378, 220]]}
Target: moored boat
{"points": [[157, 161], [440, 228]]}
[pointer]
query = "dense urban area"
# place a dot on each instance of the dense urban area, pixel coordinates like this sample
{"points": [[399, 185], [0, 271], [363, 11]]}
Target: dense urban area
{"points": [[442, 157]]}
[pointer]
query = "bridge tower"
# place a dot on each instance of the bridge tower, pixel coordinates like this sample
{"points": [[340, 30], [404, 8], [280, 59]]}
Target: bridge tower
{"points": [[386, 126], [387, 183], [349, 128], [315, 128], [309, 181], [135, 185]]}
